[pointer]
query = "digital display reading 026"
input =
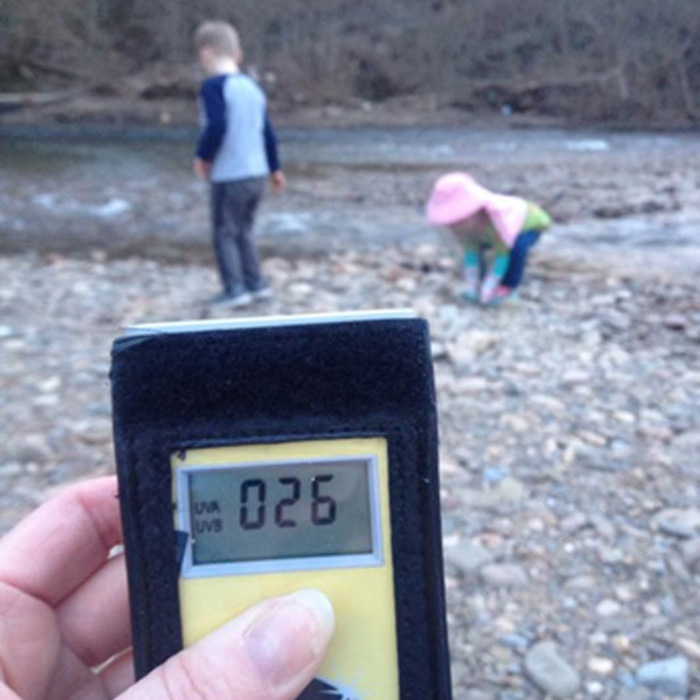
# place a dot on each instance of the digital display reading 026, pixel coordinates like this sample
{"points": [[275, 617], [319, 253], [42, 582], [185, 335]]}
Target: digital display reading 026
{"points": [[278, 511]]}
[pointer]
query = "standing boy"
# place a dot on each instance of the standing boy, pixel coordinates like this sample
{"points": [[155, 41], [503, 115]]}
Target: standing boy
{"points": [[237, 150]]}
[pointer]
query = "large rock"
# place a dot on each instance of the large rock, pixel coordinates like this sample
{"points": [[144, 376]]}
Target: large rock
{"points": [[510, 490], [33, 448], [636, 693], [550, 672], [504, 575], [467, 557], [680, 523], [669, 676], [691, 553]]}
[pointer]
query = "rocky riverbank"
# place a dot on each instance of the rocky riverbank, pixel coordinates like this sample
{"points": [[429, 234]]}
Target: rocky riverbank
{"points": [[570, 443]]}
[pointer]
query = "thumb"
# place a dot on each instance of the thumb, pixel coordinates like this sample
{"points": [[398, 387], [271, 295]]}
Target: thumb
{"points": [[271, 652]]}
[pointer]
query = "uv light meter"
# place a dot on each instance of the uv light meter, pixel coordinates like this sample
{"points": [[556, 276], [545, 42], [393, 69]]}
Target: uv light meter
{"points": [[257, 457]]}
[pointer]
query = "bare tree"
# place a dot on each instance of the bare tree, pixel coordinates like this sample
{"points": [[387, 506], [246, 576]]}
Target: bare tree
{"points": [[595, 59]]}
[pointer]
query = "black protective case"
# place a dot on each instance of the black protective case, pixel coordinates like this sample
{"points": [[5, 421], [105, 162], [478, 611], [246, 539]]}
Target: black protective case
{"points": [[276, 384]]}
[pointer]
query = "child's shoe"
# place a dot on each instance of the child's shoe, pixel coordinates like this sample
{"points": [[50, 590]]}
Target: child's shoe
{"points": [[231, 301], [501, 294], [262, 294]]}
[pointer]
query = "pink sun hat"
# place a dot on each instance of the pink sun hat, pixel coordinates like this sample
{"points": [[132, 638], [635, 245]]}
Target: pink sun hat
{"points": [[457, 196]]}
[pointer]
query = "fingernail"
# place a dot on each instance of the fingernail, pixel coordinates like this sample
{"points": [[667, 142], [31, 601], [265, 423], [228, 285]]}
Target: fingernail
{"points": [[292, 635]]}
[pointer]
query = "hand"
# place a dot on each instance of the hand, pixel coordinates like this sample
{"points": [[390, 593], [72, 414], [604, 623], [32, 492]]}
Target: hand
{"points": [[278, 181], [201, 168], [64, 622]]}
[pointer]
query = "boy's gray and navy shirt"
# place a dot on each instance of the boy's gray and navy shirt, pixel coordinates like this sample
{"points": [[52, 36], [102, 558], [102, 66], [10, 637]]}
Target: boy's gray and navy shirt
{"points": [[237, 137]]}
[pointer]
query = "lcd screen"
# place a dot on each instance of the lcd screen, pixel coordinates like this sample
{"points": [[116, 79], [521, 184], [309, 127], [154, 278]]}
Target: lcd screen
{"points": [[277, 511]]}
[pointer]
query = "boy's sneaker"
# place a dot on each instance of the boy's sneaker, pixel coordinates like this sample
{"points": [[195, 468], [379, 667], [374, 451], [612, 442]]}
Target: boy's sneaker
{"points": [[231, 301], [261, 294]]}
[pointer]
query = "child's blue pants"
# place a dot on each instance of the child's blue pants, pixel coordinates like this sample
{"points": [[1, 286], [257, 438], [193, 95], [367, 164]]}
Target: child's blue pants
{"points": [[518, 258]]}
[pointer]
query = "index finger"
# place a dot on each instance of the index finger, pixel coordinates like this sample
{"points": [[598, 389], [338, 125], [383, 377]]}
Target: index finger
{"points": [[62, 543]]}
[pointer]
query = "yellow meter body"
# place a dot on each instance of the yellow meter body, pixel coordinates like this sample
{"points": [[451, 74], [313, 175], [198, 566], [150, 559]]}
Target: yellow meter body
{"points": [[257, 457], [356, 573]]}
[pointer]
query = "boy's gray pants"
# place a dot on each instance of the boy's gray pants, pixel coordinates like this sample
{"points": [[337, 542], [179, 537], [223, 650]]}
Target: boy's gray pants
{"points": [[233, 206]]}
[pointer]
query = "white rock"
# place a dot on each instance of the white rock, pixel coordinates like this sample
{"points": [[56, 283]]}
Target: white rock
{"points": [[608, 608], [690, 646], [595, 687], [601, 665]]}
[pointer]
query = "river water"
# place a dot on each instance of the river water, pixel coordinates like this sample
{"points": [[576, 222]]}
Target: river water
{"points": [[131, 191]]}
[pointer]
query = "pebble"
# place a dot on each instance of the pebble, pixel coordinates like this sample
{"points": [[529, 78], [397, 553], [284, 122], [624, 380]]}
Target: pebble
{"points": [[478, 500], [471, 385], [515, 423], [574, 522], [33, 448], [300, 290], [603, 526], [691, 553], [94, 432], [595, 687], [494, 475], [511, 490], [515, 641], [49, 385], [504, 575], [688, 440], [458, 670], [601, 665], [467, 557], [581, 583], [595, 458], [634, 693], [593, 438], [470, 345], [621, 643], [669, 676], [680, 523], [459, 355], [449, 467], [625, 417], [610, 555], [550, 672], [690, 647], [437, 350], [676, 322], [9, 469], [572, 377], [608, 608], [473, 694]]}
